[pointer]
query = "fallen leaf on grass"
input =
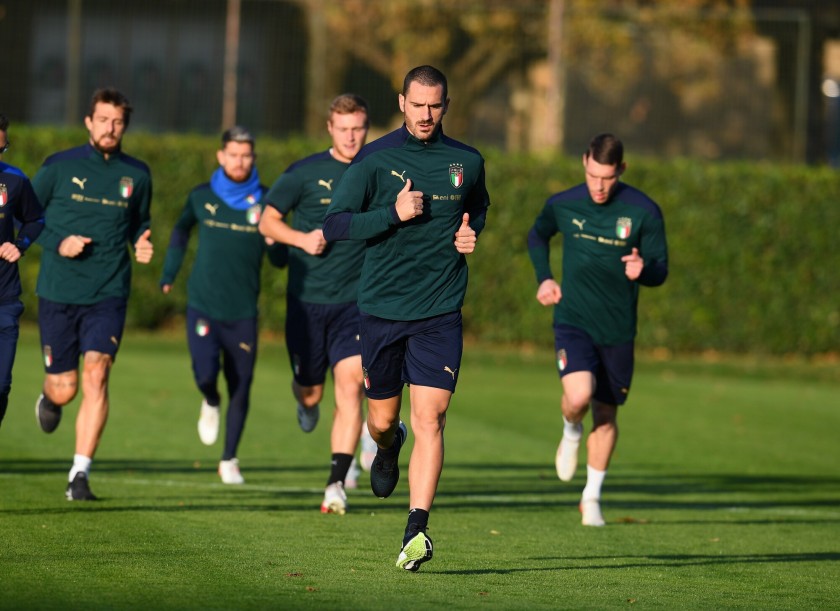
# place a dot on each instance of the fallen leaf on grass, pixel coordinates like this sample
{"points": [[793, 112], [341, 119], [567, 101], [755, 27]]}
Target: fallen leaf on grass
{"points": [[631, 520]]}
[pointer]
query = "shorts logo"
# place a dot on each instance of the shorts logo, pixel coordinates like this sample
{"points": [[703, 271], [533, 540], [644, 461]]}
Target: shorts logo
{"points": [[562, 359], [126, 186], [48, 360], [115, 341], [623, 227], [253, 214], [367, 378], [451, 372], [296, 365], [202, 327], [245, 347], [4, 195], [456, 174]]}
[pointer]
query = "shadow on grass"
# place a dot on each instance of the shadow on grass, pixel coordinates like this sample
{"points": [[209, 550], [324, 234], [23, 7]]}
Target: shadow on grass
{"points": [[41, 466], [654, 561], [466, 486]]}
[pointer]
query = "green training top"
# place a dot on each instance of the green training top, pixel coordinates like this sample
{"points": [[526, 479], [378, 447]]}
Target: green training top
{"points": [[412, 269], [305, 190], [107, 200], [596, 294], [224, 282]]}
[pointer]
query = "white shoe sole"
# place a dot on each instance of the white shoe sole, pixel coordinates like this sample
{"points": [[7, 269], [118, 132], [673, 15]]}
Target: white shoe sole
{"points": [[336, 507]]}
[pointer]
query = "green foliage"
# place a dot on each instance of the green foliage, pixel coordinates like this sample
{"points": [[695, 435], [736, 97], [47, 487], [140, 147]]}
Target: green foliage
{"points": [[751, 261]]}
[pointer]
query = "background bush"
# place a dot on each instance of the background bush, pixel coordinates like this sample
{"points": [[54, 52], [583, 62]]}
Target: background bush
{"points": [[752, 262]]}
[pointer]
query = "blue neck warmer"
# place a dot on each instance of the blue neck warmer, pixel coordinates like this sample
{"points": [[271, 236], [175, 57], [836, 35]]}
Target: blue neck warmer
{"points": [[237, 195]]}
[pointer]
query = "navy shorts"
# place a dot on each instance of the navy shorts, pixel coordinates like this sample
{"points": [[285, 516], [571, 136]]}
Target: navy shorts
{"points": [[422, 352], [68, 331], [318, 336], [612, 366]]}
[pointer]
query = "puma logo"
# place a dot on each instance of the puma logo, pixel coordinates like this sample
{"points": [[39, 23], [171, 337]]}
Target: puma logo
{"points": [[211, 208], [79, 181], [578, 223], [400, 176], [245, 347], [114, 341], [327, 184], [450, 371]]}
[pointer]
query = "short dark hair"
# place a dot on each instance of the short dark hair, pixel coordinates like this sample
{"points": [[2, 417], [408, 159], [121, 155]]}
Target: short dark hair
{"points": [[606, 149], [426, 75], [347, 104], [237, 133], [4, 123], [110, 95]]}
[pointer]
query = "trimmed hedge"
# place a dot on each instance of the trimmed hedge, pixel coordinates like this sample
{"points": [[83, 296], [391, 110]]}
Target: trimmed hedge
{"points": [[751, 259]]}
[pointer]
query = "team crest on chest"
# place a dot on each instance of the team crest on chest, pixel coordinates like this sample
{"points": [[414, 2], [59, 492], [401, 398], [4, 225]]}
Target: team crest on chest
{"points": [[456, 174], [4, 195], [623, 227], [126, 186]]}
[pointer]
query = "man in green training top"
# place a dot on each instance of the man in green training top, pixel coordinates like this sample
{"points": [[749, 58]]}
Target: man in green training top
{"points": [[613, 243], [96, 201], [418, 199], [322, 318], [223, 288]]}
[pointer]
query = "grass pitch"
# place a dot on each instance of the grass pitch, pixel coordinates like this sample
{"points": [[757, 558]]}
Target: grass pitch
{"points": [[724, 492]]}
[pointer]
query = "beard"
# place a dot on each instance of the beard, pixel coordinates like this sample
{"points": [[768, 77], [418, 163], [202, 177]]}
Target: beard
{"points": [[102, 148]]}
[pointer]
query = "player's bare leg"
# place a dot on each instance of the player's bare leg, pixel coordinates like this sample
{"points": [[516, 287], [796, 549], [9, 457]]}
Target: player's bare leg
{"points": [[93, 412], [349, 396], [600, 445], [428, 419], [604, 435], [577, 394], [344, 436]]}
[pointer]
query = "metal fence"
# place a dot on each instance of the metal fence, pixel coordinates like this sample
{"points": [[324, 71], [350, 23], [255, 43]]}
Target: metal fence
{"points": [[661, 85]]}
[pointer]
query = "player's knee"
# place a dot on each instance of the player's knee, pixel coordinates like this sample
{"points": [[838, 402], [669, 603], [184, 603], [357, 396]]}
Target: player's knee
{"points": [[576, 403], [60, 393]]}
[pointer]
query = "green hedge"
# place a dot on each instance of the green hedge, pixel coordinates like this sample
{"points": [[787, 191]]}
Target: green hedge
{"points": [[751, 259]]}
